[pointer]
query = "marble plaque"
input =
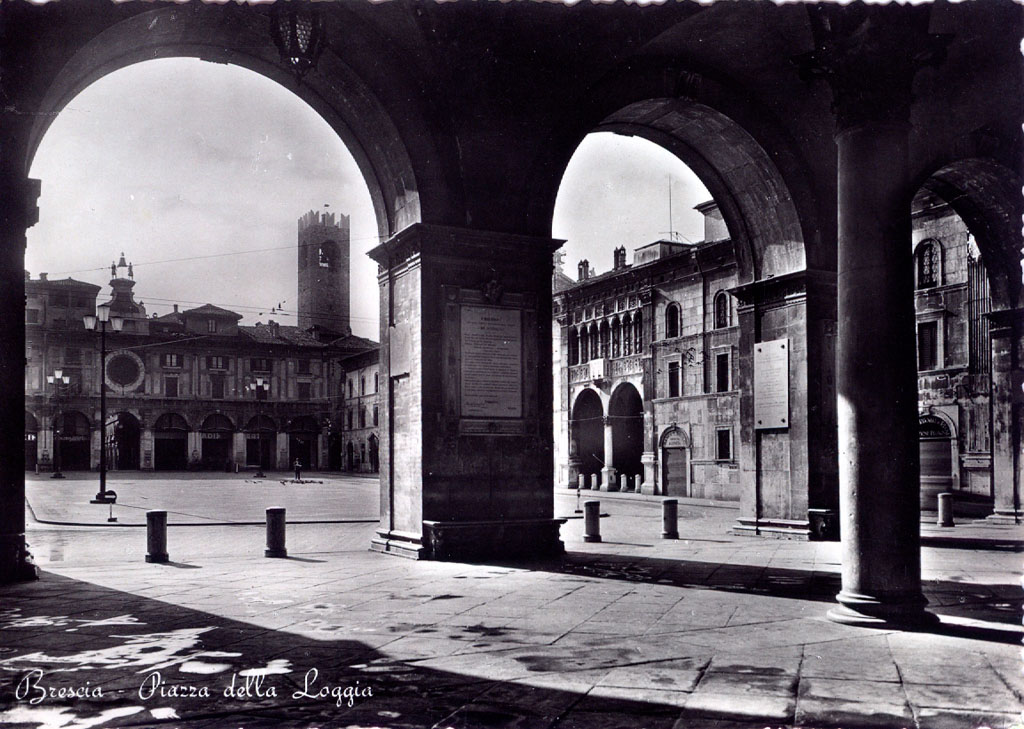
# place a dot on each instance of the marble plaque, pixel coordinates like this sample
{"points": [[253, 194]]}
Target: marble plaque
{"points": [[491, 372], [771, 384]]}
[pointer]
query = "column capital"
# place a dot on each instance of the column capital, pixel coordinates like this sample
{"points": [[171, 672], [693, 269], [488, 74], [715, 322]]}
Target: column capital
{"points": [[869, 56]]}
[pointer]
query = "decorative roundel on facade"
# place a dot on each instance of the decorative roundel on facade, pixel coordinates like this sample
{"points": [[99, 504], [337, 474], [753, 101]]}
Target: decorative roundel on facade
{"points": [[125, 371]]}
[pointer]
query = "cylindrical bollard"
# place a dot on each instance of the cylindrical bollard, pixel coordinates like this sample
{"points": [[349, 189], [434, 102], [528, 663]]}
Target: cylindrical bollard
{"points": [[946, 510], [622, 482], [275, 533], [156, 536], [582, 482], [669, 519], [591, 521]]}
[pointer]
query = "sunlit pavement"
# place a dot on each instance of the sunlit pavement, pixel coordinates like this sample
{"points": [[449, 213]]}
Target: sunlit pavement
{"points": [[707, 631]]}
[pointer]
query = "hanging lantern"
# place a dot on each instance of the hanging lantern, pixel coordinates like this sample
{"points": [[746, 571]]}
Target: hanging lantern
{"points": [[298, 31]]}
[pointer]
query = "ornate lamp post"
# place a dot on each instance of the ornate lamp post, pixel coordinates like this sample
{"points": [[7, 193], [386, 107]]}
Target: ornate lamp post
{"points": [[101, 319], [57, 379], [260, 387]]}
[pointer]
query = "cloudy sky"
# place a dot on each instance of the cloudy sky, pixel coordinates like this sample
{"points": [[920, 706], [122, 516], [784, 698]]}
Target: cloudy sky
{"points": [[199, 171]]}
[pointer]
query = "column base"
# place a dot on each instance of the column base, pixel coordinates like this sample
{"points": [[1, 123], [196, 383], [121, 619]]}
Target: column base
{"points": [[872, 612], [158, 558], [280, 553], [609, 479], [400, 544], [15, 561], [1006, 516], [473, 541]]}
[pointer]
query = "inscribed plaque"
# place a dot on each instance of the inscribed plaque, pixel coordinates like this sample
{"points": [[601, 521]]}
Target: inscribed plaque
{"points": [[491, 382], [771, 384]]}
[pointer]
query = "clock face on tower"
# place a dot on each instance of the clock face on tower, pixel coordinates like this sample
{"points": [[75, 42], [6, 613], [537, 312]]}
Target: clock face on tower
{"points": [[125, 371]]}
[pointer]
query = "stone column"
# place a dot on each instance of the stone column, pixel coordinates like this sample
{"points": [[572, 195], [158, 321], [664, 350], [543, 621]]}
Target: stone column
{"points": [[18, 212], [608, 472], [195, 447], [1007, 413], [870, 63], [466, 432], [147, 457]]}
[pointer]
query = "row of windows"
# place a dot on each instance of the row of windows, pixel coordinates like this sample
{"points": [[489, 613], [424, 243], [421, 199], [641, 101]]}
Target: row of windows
{"points": [[218, 388], [617, 340], [219, 362], [722, 316], [350, 417], [675, 375], [362, 386]]}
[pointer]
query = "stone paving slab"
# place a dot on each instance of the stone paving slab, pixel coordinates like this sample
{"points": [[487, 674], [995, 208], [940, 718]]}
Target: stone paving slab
{"points": [[687, 633]]}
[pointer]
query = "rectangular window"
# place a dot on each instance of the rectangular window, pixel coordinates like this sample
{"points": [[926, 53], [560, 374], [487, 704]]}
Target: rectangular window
{"points": [[362, 418], [170, 360], [927, 345], [304, 367], [32, 316], [73, 356], [350, 388], [376, 384], [362, 385], [349, 420], [59, 299], [375, 415], [673, 379], [211, 326], [170, 387], [305, 390], [217, 387], [723, 444], [259, 364], [721, 372], [217, 363]]}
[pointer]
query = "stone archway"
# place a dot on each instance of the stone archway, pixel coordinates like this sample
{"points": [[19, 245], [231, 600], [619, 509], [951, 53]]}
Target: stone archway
{"points": [[937, 461], [170, 443], [626, 413], [123, 441], [587, 428]]}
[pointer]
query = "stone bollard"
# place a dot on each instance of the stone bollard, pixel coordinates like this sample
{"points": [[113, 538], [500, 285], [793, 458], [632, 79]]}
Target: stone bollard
{"points": [[669, 519], [591, 521], [156, 536], [946, 510], [623, 480], [582, 482], [275, 533]]}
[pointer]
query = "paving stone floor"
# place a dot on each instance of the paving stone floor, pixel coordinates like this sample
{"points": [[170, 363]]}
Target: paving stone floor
{"points": [[707, 631]]}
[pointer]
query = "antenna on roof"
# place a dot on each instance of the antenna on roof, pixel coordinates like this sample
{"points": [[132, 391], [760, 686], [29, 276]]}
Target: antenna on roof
{"points": [[673, 234]]}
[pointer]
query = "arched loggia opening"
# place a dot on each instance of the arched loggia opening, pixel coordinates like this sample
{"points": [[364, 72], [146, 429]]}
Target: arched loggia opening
{"points": [[170, 443], [587, 428], [626, 412], [122, 439], [968, 297]]}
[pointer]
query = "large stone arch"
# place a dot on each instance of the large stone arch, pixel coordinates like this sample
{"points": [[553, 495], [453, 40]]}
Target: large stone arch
{"points": [[739, 151], [225, 35]]}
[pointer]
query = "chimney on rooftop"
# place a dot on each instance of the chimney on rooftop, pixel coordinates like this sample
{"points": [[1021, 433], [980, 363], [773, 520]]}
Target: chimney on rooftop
{"points": [[175, 308], [583, 270], [42, 276]]}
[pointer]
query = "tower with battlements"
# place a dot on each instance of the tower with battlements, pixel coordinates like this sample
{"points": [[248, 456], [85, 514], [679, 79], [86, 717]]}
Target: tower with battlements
{"points": [[323, 254]]}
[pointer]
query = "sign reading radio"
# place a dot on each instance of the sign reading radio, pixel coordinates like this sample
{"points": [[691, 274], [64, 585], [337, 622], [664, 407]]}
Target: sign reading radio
{"points": [[771, 384]]}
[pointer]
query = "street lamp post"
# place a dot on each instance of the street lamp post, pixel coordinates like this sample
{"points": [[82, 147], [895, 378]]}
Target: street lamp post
{"points": [[102, 318], [57, 379], [260, 387]]}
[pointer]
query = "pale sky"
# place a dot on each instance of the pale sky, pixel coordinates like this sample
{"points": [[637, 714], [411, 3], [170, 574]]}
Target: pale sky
{"points": [[174, 160]]}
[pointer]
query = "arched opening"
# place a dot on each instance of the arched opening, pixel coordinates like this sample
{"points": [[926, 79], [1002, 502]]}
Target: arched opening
{"points": [[723, 316], [260, 437], [675, 463], [626, 412], [302, 441], [587, 429], [216, 434], [31, 441], [71, 439], [123, 441], [170, 443], [350, 456], [672, 321], [374, 444], [936, 460], [967, 268]]}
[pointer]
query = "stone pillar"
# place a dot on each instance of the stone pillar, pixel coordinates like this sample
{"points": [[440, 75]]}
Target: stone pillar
{"points": [[466, 431], [608, 477], [649, 460], [195, 447], [280, 456], [147, 459], [870, 58], [238, 449], [1007, 414], [18, 212]]}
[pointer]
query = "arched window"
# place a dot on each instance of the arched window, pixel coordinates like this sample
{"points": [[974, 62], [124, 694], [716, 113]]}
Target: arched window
{"points": [[638, 333], [616, 338], [327, 254], [574, 347], [722, 318], [595, 342], [605, 340], [584, 345], [928, 264], [671, 321], [627, 335]]}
